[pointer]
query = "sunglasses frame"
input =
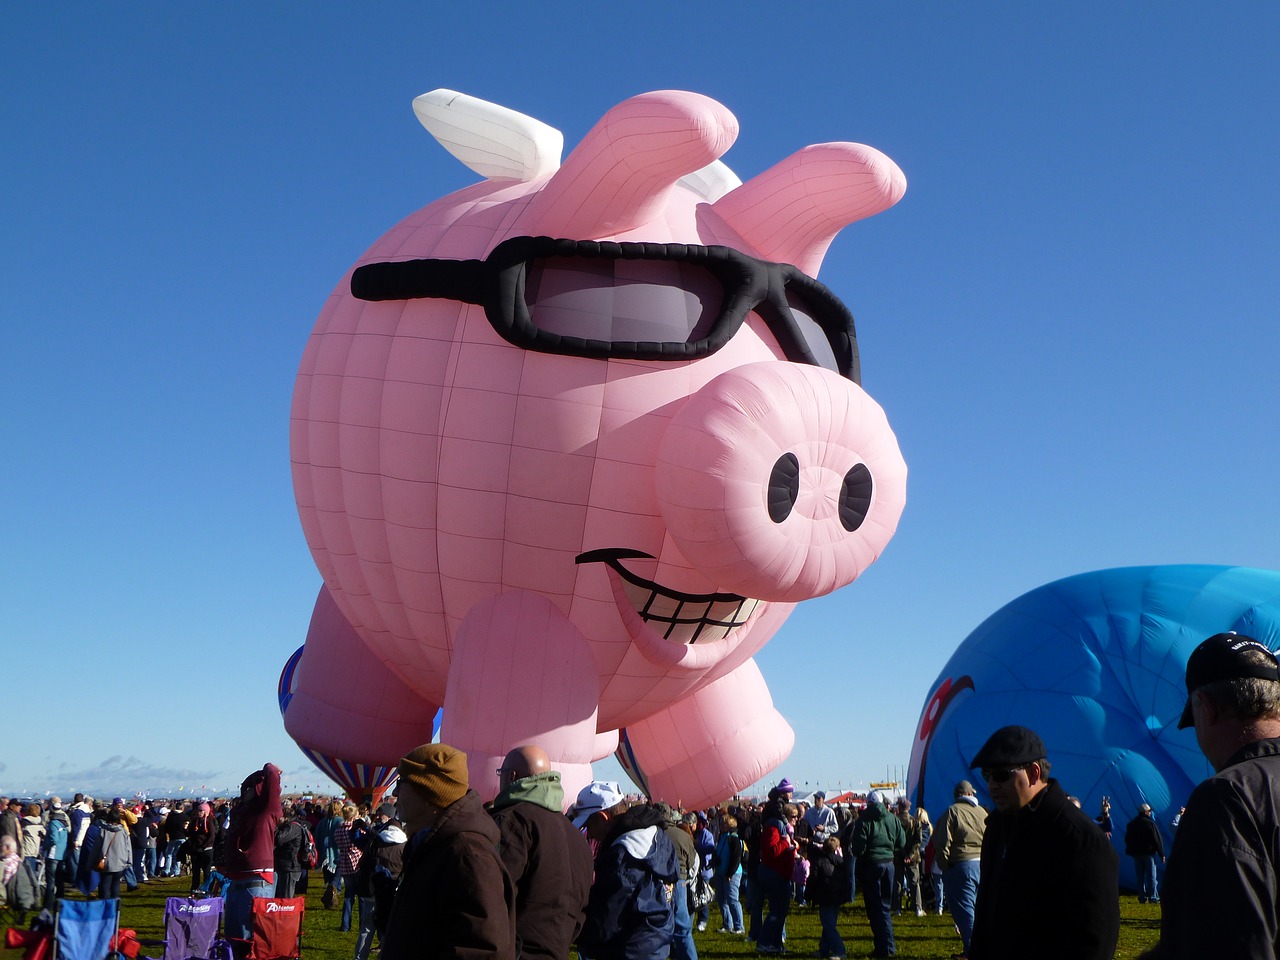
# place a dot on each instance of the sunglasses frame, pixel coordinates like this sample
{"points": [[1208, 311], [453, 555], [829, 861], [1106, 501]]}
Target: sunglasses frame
{"points": [[498, 284]]}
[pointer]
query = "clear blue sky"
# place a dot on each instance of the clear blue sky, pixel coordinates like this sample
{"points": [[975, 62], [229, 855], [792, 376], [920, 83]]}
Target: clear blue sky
{"points": [[1071, 321]]}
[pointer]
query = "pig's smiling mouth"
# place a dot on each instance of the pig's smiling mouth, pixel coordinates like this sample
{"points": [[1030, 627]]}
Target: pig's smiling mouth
{"points": [[671, 627]]}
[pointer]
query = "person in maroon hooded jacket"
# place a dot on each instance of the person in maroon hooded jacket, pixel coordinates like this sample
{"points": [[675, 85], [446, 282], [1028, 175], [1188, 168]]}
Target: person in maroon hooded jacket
{"points": [[250, 850]]}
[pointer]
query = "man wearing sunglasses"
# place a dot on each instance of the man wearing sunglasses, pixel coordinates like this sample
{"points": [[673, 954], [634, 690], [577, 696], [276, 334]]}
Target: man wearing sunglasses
{"points": [[1049, 875], [1220, 889]]}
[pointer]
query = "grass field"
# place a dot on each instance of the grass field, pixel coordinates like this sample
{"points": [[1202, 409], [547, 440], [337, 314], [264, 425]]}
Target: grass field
{"points": [[932, 937]]}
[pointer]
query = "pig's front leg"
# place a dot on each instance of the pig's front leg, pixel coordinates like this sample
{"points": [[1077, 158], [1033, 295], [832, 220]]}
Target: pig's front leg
{"points": [[713, 743], [521, 673]]}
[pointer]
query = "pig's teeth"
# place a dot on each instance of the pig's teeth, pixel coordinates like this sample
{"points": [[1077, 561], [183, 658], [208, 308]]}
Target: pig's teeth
{"points": [[688, 621]]}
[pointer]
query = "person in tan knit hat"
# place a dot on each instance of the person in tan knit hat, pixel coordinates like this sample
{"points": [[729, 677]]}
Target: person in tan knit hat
{"points": [[455, 896]]}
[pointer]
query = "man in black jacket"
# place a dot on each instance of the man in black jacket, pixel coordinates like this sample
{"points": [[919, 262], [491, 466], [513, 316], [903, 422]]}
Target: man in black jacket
{"points": [[1220, 889], [548, 858], [1049, 875], [1143, 842]]}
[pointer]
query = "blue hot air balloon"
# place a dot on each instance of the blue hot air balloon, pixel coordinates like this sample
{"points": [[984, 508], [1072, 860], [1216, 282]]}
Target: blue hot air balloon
{"points": [[1094, 664]]}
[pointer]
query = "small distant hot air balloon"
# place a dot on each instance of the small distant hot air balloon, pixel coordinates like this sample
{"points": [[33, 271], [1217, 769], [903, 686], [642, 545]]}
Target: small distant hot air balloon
{"points": [[363, 781]]}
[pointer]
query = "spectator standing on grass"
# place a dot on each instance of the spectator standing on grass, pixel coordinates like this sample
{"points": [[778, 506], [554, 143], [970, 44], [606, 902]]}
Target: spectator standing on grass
{"points": [[682, 945], [777, 863], [57, 841], [828, 890], [547, 858], [1220, 888], [346, 839], [173, 834], [1143, 842], [455, 898], [957, 846], [202, 833], [1049, 875], [381, 862], [729, 863], [249, 848], [113, 852], [877, 838], [290, 838], [327, 849], [631, 910]]}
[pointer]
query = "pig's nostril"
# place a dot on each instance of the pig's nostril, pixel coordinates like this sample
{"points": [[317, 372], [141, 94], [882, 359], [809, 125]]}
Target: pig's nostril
{"points": [[855, 497], [784, 487]]}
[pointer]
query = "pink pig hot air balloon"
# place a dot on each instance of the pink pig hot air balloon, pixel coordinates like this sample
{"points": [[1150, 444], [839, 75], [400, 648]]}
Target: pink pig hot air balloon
{"points": [[570, 443]]}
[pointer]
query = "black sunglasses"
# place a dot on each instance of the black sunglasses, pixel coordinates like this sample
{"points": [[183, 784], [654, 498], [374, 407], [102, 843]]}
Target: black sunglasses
{"points": [[641, 301], [1001, 774]]}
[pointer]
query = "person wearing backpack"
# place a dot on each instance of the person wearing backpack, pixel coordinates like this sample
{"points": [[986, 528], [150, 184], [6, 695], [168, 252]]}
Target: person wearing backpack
{"points": [[54, 850]]}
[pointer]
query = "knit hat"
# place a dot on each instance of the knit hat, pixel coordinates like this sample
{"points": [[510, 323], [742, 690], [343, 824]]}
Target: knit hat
{"points": [[437, 771]]}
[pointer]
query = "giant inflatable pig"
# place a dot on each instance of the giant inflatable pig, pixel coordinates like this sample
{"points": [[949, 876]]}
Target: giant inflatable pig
{"points": [[569, 445]]}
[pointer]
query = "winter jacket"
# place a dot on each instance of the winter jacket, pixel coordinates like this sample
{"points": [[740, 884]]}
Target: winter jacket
{"points": [[202, 831], [176, 826], [729, 854], [959, 833], [631, 912], [80, 816], [32, 836], [1047, 868], [828, 884], [326, 846], [777, 849], [57, 836], [113, 846], [455, 900], [877, 836], [289, 838], [1223, 864], [1142, 838], [549, 861], [251, 837]]}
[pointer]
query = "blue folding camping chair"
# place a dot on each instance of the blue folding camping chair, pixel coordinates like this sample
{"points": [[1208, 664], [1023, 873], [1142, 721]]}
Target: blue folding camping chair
{"points": [[83, 929]]}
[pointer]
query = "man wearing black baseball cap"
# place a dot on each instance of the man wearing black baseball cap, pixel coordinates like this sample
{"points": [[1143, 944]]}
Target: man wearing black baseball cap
{"points": [[1049, 875], [1220, 894]]}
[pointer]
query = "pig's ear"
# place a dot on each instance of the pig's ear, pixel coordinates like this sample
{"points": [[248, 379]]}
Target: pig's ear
{"points": [[621, 174], [497, 143], [791, 212]]}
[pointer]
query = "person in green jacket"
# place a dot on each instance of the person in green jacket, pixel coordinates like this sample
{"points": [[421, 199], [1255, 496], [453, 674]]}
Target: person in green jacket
{"points": [[877, 838]]}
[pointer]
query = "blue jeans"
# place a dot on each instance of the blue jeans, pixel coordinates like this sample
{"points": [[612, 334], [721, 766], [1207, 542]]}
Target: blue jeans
{"points": [[961, 886], [1148, 888], [238, 913], [776, 889], [755, 904], [730, 906], [348, 902], [829, 944], [364, 939], [172, 865], [682, 947], [876, 881]]}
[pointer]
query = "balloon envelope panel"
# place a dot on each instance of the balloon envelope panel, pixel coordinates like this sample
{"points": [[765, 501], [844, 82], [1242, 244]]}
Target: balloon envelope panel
{"points": [[1095, 665]]}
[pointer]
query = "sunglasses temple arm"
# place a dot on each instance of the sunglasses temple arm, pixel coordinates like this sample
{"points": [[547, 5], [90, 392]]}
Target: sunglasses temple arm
{"points": [[461, 280]]}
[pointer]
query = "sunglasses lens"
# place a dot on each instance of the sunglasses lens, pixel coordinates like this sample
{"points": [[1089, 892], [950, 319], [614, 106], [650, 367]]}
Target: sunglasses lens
{"points": [[996, 776], [811, 331], [622, 301]]}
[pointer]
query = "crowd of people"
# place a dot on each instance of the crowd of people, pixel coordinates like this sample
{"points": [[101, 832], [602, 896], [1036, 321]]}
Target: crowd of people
{"points": [[441, 873]]}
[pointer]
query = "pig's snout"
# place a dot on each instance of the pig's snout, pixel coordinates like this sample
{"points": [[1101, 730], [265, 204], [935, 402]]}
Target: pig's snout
{"points": [[781, 481]]}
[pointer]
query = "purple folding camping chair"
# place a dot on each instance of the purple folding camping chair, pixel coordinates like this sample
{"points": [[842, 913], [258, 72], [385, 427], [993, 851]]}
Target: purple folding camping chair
{"points": [[191, 928]]}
